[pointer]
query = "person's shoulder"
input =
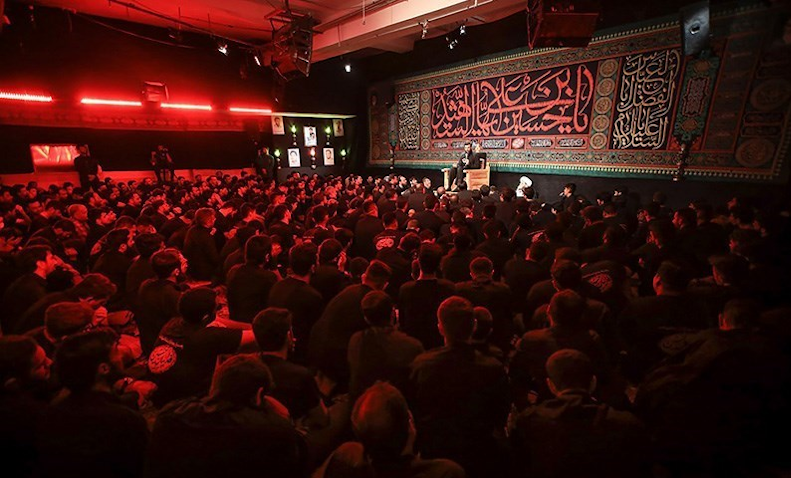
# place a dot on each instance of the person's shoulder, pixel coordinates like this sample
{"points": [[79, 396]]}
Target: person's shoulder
{"points": [[437, 468]]}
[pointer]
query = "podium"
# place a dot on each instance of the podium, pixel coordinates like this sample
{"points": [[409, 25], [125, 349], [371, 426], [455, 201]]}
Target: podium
{"points": [[475, 178]]}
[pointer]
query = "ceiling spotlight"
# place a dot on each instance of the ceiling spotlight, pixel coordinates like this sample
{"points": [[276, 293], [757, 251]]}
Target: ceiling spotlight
{"points": [[347, 67], [424, 26], [257, 60], [462, 29], [222, 47]]}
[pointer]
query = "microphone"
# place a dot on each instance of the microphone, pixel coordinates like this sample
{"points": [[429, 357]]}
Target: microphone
{"points": [[561, 194]]}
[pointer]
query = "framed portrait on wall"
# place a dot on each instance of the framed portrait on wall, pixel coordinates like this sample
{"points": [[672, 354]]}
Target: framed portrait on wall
{"points": [[277, 125], [337, 127], [329, 157], [293, 158], [310, 136]]}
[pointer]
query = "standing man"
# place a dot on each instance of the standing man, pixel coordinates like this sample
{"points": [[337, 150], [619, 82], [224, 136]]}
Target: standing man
{"points": [[457, 172], [87, 167], [162, 162], [264, 163]]}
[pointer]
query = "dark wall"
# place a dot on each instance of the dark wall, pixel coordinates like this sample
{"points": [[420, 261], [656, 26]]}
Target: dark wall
{"points": [[129, 150]]}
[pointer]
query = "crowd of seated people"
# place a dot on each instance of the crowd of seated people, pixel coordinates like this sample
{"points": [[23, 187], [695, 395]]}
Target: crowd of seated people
{"points": [[374, 327]]}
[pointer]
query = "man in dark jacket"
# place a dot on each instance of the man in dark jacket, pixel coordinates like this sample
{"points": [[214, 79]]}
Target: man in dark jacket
{"points": [[200, 247], [249, 283], [158, 298]]}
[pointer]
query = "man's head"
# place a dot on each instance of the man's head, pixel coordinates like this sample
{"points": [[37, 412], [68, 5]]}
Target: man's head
{"points": [[429, 258], [377, 307], [729, 269], [382, 422], [148, 243], [481, 268], [166, 263], [66, 318], [87, 359], [330, 251], [241, 380], [272, 330], [197, 306], [566, 309], [484, 323], [570, 370], [205, 217], [377, 274], [739, 314], [302, 258], [569, 189], [566, 275], [456, 319], [257, 250], [670, 278], [39, 259], [22, 362]]}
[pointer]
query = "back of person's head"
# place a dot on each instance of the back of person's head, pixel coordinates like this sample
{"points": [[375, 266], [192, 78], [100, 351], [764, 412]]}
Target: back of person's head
{"points": [[240, 379], [271, 327], [484, 323], [203, 216], [673, 277], [148, 243], [592, 214], [456, 319], [197, 306], [17, 354], [730, 269], [256, 249], [662, 231], [377, 307], [570, 369], [508, 194], [329, 251], [377, 274], [67, 318], [319, 214], [30, 255], [485, 190], [81, 358], [302, 258], [554, 232], [382, 422], [481, 267], [566, 308], [492, 229], [116, 239], [489, 211], [409, 243], [566, 274], [539, 251], [429, 258], [389, 220], [462, 242], [740, 314], [615, 236], [369, 207], [165, 262], [568, 254], [96, 286]]}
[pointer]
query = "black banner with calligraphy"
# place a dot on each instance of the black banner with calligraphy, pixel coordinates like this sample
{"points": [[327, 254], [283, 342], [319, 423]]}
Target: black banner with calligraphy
{"points": [[552, 101], [620, 107]]}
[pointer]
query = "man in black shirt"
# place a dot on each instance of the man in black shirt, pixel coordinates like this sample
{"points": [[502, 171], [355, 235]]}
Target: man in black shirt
{"points": [[186, 351], [295, 294], [264, 163], [87, 168], [236, 429], [163, 164], [89, 432], [293, 385], [158, 298], [28, 289], [249, 283], [460, 397]]}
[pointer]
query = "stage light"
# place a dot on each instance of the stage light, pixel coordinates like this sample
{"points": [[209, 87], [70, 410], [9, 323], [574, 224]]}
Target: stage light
{"points": [[255, 111], [185, 106], [347, 67], [97, 101], [222, 47], [462, 29], [7, 95]]}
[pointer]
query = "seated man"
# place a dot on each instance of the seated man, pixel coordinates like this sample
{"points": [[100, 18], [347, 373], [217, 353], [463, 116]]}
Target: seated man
{"points": [[572, 434], [383, 424], [236, 427]]}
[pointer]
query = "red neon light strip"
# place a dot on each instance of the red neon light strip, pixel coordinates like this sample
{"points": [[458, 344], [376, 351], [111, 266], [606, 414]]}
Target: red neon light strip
{"points": [[96, 101], [7, 95], [260, 111], [184, 106]]}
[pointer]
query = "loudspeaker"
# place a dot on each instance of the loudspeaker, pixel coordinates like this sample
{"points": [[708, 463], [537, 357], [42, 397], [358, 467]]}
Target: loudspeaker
{"points": [[293, 48], [695, 28]]}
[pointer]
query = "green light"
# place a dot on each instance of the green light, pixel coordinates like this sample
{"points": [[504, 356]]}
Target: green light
{"points": [[343, 153], [293, 128], [277, 153], [327, 130]]}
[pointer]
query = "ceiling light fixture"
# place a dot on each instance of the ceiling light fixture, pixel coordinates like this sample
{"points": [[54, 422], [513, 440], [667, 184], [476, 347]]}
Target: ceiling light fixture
{"points": [[98, 101], [7, 95], [222, 47], [347, 67]]}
